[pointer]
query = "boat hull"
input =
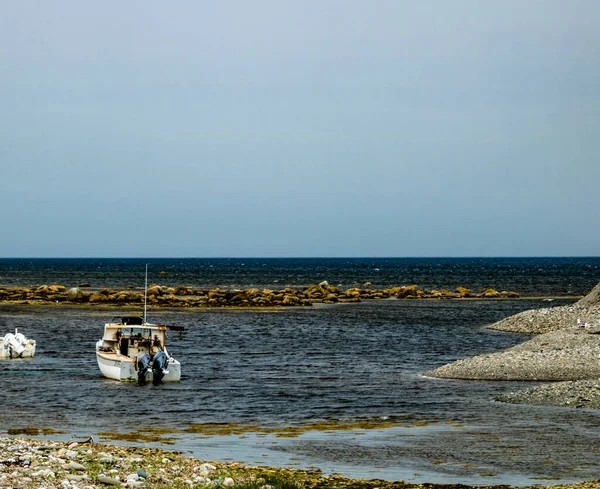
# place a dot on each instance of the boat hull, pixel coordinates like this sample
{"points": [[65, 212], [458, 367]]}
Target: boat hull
{"points": [[28, 352], [123, 368]]}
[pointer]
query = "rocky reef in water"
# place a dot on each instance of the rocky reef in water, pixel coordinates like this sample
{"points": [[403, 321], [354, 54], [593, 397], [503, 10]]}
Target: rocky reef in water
{"points": [[188, 296]]}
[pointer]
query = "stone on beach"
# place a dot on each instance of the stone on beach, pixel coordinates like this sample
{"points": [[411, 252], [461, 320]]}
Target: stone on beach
{"points": [[75, 477], [110, 481], [75, 466]]}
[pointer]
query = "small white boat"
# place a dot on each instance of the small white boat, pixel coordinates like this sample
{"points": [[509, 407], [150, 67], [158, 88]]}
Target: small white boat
{"points": [[133, 350], [16, 346]]}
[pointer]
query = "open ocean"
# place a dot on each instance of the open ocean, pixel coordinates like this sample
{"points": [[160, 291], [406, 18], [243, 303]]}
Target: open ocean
{"points": [[290, 367], [528, 276]]}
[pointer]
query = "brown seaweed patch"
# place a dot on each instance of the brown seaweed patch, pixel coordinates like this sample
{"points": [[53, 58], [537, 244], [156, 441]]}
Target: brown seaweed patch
{"points": [[140, 436], [420, 424], [28, 430], [212, 429], [159, 431], [33, 431], [217, 429]]}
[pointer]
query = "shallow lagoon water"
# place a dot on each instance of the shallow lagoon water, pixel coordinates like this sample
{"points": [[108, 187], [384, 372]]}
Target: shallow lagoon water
{"points": [[291, 367]]}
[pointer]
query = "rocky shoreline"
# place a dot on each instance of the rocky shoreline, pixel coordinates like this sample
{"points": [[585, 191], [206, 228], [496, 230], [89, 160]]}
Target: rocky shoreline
{"points": [[545, 320], [575, 394], [565, 351], [36, 463], [187, 296], [568, 354]]}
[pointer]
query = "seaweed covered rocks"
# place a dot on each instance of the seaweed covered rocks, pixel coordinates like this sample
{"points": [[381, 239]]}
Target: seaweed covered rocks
{"points": [[189, 296]]}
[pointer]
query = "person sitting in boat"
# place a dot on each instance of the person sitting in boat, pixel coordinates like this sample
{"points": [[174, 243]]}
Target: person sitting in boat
{"points": [[157, 342]]}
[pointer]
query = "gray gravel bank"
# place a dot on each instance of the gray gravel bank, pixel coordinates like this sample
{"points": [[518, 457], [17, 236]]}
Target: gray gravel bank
{"points": [[538, 321], [577, 394], [565, 351], [568, 354]]}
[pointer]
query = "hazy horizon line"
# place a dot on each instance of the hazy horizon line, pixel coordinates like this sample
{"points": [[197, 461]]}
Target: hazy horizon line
{"points": [[354, 257]]}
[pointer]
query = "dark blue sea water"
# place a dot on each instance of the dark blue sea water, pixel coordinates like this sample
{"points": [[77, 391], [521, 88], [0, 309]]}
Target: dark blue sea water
{"points": [[295, 366], [528, 276]]}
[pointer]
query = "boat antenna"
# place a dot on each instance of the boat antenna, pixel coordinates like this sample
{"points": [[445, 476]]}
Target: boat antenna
{"points": [[145, 293]]}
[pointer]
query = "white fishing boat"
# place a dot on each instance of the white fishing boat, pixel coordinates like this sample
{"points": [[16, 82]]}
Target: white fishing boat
{"points": [[131, 349], [16, 346]]}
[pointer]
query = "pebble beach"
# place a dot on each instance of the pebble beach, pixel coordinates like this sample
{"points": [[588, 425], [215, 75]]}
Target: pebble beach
{"points": [[41, 464]]}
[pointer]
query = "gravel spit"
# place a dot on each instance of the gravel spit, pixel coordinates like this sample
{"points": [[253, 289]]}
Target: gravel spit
{"points": [[566, 352]]}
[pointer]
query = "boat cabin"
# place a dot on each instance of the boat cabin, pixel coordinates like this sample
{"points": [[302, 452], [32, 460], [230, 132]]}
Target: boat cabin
{"points": [[131, 337]]}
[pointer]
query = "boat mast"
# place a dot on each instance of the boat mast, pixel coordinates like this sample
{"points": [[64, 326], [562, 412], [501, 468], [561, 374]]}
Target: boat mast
{"points": [[145, 293]]}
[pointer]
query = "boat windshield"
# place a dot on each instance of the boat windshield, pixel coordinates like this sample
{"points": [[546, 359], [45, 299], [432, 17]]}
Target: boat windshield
{"points": [[136, 332]]}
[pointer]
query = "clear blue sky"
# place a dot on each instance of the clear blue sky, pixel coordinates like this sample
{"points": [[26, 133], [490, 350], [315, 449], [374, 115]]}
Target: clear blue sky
{"points": [[299, 128]]}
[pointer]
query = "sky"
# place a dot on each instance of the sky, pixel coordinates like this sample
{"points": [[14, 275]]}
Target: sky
{"points": [[313, 128]]}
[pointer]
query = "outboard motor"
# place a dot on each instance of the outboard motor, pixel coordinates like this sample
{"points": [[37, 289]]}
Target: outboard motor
{"points": [[143, 364], [159, 367]]}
